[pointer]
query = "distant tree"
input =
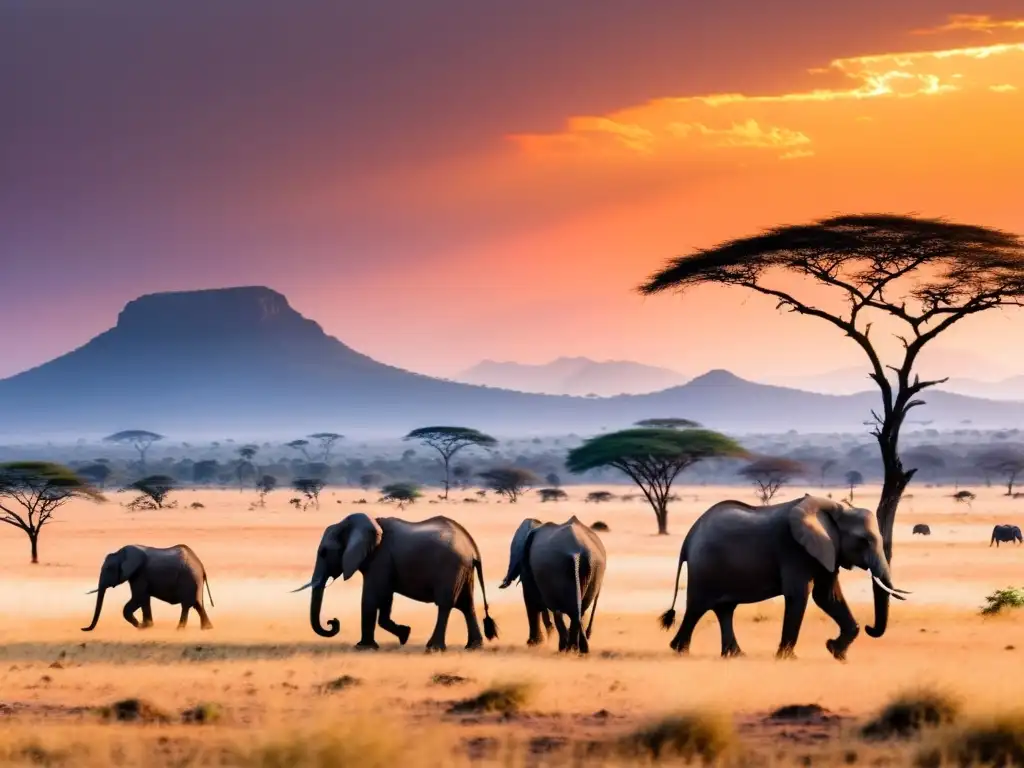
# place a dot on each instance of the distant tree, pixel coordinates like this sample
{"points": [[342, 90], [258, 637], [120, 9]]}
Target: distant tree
{"points": [[668, 423], [964, 497], [448, 441], [300, 446], [97, 474], [652, 458], [401, 493], [552, 494], [509, 482], [770, 473], [826, 467], [599, 497], [309, 487], [205, 471], [926, 459], [462, 474], [853, 479], [919, 275], [140, 439], [265, 485], [153, 487], [31, 491], [368, 480], [245, 466], [553, 480], [1005, 460], [326, 441]]}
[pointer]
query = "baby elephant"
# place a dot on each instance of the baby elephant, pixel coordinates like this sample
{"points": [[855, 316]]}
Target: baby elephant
{"points": [[174, 575], [1005, 533]]}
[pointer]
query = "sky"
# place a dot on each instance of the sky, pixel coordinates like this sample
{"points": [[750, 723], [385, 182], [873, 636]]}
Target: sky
{"points": [[441, 182]]}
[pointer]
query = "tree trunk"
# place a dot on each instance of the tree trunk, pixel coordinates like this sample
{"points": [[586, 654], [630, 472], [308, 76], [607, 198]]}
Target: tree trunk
{"points": [[661, 513], [447, 480], [894, 483], [34, 539]]}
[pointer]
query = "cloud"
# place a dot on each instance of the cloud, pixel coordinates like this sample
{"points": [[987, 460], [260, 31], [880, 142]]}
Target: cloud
{"points": [[968, 22]]}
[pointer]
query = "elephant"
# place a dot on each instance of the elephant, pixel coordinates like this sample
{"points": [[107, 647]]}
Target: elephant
{"points": [[1005, 533], [432, 561], [740, 554], [561, 568], [174, 575], [922, 529]]}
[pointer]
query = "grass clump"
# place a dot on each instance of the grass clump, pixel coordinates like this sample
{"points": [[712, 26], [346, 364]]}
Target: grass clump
{"points": [[911, 712], [134, 711], [1010, 597], [204, 713], [449, 680], [506, 699], [999, 741], [364, 748], [339, 684], [691, 736]]}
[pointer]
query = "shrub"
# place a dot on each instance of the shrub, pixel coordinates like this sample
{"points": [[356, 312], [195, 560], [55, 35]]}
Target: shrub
{"points": [[134, 711], [999, 741], [204, 713], [339, 684], [911, 712], [1009, 597], [506, 699], [690, 736]]}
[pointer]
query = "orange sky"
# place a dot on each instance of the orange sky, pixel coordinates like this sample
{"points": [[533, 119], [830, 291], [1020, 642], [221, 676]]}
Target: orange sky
{"points": [[435, 199]]}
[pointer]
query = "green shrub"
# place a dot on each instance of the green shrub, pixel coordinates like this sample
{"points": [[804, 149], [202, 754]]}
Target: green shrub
{"points": [[1009, 597]]}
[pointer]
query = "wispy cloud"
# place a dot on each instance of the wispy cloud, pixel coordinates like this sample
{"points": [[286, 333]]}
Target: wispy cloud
{"points": [[968, 22]]}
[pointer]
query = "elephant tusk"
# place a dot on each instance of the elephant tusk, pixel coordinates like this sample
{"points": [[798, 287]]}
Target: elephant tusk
{"points": [[888, 589], [304, 586]]}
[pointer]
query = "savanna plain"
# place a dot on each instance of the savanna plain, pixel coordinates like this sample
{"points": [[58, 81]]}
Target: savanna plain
{"points": [[260, 689]]}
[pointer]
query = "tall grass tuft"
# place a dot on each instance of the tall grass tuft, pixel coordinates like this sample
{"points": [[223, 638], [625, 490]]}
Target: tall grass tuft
{"points": [[911, 712]]}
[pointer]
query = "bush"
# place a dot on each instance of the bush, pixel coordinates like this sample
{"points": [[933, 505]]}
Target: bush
{"points": [[690, 736], [911, 712], [203, 714], [1010, 597], [996, 742], [134, 711], [507, 699]]}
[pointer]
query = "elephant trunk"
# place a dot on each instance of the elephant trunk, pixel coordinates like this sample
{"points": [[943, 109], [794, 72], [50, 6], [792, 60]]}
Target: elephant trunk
{"points": [[99, 607], [883, 591], [316, 599]]}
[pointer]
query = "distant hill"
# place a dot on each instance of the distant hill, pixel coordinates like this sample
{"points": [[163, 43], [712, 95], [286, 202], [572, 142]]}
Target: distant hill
{"points": [[579, 376], [240, 362]]}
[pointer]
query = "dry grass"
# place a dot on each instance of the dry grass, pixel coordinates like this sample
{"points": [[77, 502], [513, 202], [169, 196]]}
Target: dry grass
{"points": [[692, 736], [257, 681], [505, 699]]}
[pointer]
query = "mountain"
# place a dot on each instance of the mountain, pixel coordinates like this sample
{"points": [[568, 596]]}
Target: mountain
{"points": [[240, 362], [579, 376]]}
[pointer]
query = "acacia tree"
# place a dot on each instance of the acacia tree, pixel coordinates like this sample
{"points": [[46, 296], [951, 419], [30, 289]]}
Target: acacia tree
{"points": [[97, 473], [921, 275], [139, 439], [154, 487], [652, 458], [326, 441], [245, 465], [770, 473], [668, 423], [1005, 460], [509, 482], [265, 485], [826, 466], [448, 441], [853, 479], [309, 487], [31, 491], [401, 493]]}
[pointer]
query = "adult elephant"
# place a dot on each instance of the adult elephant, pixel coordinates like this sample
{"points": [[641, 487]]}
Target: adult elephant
{"points": [[174, 575], [1005, 534], [740, 554], [561, 567], [432, 561], [922, 529]]}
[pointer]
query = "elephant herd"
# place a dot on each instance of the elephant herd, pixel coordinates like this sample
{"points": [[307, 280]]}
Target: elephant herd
{"points": [[736, 554]]}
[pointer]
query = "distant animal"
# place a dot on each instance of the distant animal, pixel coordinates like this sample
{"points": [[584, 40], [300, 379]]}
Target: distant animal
{"points": [[432, 561], [1005, 533], [174, 575], [922, 529], [561, 568], [740, 554]]}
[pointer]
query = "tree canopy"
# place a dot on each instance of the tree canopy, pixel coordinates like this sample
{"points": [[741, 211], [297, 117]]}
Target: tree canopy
{"points": [[652, 458], [668, 423], [401, 493], [140, 439], [31, 491], [922, 275], [509, 482], [448, 441], [154, 487], [770, 473]]}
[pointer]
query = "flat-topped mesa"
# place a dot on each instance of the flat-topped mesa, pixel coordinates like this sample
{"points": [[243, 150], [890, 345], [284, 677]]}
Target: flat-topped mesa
{"points": [[251, 310]]}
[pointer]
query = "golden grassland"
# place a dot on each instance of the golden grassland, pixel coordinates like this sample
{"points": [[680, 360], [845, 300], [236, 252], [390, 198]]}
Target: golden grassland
{"points": [[271, 693]]}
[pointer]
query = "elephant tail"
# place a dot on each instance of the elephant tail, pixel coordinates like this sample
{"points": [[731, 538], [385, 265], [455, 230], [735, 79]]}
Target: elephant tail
{"points": [[490, 626], [579, 589], [206, 581], [668, 618]]}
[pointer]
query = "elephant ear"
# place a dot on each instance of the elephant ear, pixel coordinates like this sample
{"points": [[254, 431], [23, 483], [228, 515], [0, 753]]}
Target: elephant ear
{"points": [[517, 550], [364, 536], [132, 560], [814, 530]]}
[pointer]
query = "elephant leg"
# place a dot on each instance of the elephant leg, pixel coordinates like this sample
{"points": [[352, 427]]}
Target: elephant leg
{"points": [[474, 637], [368, 623], [204, 619], [796, 606], [563, 633], [183, 619], [147, 612], [695, 610], [533, 618], [577, 636], [545, 616], [724, 614], [829, 597], [436, 641], [385, 622], [129, 612]]}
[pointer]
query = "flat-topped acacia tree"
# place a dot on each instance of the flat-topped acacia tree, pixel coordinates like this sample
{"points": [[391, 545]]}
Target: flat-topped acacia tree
{"points": [[448, 441], [31, 491], [652, 458], [140, 439], [921, 275]]}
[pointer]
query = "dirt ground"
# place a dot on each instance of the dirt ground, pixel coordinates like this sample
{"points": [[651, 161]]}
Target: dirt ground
{"points": [[275, 686]]}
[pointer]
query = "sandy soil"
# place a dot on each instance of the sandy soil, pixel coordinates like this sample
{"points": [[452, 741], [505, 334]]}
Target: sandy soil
{"points": [[263, 666]]}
